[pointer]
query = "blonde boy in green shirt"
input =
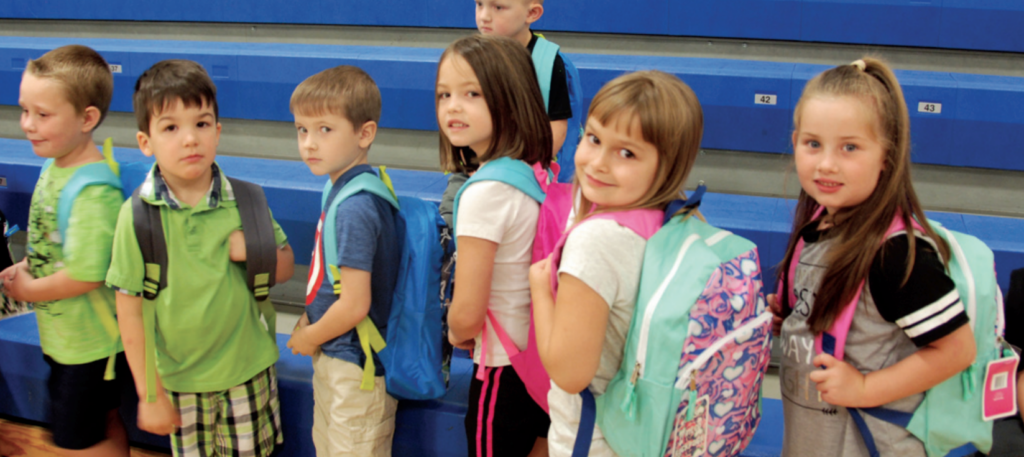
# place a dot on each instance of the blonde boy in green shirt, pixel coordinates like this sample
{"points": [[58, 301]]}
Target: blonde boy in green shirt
{"points": [[215, 384], [64, 96]]}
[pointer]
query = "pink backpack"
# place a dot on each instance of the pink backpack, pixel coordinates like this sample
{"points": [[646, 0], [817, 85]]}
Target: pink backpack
{"points": [[551, 236]]}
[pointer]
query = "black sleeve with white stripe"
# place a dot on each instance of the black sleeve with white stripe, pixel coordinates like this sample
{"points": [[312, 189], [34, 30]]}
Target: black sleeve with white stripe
{"points": [[928, 306]]}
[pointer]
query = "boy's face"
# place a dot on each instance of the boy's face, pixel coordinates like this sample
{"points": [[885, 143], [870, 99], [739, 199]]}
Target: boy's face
{"points": [[183, 139], [508, 18], [330, 145], [49, 120]]}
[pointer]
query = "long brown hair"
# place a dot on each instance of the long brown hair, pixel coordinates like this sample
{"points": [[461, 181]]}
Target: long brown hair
{"points": [[521, 128], [858, 231], [670, 118]]}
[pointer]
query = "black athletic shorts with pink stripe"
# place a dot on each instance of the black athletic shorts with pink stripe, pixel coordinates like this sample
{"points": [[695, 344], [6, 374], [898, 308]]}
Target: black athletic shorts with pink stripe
{"points": [[502, 420]]}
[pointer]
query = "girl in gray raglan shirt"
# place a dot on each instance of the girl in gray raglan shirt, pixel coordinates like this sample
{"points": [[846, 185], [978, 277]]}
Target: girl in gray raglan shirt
{"points": [[909, 330]]}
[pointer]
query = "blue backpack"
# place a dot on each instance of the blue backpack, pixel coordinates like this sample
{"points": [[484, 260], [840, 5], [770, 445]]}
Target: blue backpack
{"points": [[544, 53], [411, 352]]}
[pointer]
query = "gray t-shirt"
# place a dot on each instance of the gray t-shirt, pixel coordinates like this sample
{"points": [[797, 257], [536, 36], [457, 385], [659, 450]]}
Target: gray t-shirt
{"points": [[607, 257], [876, 340]]}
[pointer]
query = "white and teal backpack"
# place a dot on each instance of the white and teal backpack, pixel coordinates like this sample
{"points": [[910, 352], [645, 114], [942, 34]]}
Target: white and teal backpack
{"points": [[697, 349]]}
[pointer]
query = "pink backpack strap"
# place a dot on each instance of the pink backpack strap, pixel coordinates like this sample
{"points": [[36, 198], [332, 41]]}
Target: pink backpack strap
{"points": [[644, 222], [833, 341], [545, 177]]}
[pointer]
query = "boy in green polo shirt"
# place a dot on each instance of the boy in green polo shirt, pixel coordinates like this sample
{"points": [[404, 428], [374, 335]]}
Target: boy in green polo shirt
{"points": [[216, 389], [64, 96]]}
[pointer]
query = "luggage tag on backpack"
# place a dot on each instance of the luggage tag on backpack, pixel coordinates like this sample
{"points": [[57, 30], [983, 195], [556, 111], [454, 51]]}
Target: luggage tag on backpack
{"points": [[999, 397], [690, 433]]}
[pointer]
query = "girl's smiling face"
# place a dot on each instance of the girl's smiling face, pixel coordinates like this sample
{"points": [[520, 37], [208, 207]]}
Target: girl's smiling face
{"points": [[462, 111], [615, 166], [838, 155]]}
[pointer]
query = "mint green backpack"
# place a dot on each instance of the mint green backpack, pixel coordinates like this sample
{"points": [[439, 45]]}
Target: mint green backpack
{"points": [[697, 349], [951, 414]]}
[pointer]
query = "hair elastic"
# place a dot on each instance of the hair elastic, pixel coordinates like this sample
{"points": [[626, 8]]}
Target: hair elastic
{"points": [[859, 63]]}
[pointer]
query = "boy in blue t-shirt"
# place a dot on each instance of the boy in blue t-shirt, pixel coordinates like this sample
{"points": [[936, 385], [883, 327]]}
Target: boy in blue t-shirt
{"points": [[336, 113]]}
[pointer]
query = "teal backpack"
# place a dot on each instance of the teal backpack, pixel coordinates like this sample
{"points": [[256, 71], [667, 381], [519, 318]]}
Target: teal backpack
{"points": [[412, 350], [104, 173], [544, 53], [697, 349], [951, 414]]}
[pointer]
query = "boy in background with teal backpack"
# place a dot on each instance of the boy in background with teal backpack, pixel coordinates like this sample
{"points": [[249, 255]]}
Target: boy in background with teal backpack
{"points": [[64, 96], [558, 78]]}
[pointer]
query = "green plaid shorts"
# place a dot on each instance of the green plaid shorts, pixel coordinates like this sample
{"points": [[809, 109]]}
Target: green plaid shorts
{"points": [[243, 421]]}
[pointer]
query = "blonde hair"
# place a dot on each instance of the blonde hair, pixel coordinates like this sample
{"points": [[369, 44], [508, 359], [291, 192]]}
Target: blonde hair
{"points": [[670, 118], [82, 72], [521, 129], [872, 82], [345, 91]]}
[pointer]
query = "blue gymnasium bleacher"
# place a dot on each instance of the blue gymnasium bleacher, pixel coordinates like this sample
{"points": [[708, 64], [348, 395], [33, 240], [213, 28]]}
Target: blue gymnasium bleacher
{"points": [[957, 119], [986, 25], [428, 428]]}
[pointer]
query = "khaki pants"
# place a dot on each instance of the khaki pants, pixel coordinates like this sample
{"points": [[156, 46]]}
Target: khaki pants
{"points": [[348, 421]]}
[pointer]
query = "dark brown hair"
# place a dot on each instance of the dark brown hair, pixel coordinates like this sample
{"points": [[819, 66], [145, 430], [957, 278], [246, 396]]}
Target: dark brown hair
{"points": [[670, 118], [168, 81], [345, 91], [521, 128], [858, 231], [82, 72]]}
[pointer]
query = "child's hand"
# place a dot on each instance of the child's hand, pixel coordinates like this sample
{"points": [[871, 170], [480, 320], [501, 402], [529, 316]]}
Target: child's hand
{"points": [[467, 345], [775, 307], [9, 272], [302, 322], [236, 246], [159, 417], [840, 383], [540, 276], [18, 283], [300, 342]]}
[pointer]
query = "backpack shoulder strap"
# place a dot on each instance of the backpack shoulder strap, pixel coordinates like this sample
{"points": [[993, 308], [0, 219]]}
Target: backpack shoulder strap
{"points": [[515, 173], [97, 173], [149, 232], [260, 245], [363, 182], [544, 53]]}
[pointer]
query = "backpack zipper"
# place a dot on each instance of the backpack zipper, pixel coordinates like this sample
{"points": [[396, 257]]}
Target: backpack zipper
{"points": [[652, 305]]}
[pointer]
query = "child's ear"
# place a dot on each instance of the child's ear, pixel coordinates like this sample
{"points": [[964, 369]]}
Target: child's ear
{"points": [[143, 140], [91, 118], [367, 132], [534, 12]]}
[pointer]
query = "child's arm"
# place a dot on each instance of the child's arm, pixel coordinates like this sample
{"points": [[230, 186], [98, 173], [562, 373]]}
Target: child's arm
{"points": [[842, 385], [570, 335], [285, 264], [473, 274], [1020, 394], [285, 255], [21, 286], [160, 417], [559, 131], [352, 306]]}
